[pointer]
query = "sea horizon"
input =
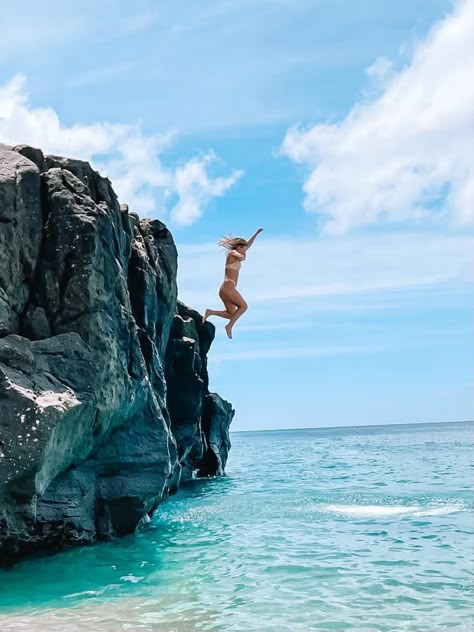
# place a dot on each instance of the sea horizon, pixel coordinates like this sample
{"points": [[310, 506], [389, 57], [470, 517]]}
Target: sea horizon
{"points": [[368, 425]]}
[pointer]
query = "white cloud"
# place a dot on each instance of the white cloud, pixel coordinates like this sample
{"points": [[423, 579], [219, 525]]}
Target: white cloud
{"points": [[131, 159], [406, 154], [195, 188], [380, 70]]}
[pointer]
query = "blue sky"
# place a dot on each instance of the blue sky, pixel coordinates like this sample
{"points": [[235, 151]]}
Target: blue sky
{"points": [[343, 128]]}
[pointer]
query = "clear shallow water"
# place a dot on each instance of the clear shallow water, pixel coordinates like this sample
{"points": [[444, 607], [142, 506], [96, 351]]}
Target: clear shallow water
{"points": [[367, 529]]}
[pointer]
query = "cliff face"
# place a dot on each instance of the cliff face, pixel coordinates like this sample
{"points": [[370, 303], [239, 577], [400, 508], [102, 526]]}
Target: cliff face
{"points": [[104, 400]]}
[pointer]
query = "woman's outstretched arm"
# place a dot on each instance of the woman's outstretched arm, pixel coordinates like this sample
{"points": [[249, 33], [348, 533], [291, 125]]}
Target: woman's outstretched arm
{"points": [[252, 239]]}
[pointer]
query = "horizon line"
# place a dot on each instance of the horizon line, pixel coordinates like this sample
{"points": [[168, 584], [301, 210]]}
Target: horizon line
{"points": [[402, 423]]}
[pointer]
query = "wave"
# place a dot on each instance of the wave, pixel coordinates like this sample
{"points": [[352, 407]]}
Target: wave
{"points": [[382, 511]]}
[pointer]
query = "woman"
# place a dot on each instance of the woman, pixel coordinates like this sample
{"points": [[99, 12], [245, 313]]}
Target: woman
{"points": [[234, 304]]}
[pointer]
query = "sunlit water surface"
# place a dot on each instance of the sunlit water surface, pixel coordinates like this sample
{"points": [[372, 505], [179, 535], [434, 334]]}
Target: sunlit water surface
{"points": [[366, 528]]}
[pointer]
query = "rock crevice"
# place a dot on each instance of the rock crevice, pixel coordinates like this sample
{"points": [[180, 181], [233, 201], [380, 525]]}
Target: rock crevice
{"points": [[104, 400]]}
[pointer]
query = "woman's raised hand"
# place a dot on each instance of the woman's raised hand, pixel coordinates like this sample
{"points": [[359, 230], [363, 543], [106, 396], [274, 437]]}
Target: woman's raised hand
{"points": [[252, 239]]}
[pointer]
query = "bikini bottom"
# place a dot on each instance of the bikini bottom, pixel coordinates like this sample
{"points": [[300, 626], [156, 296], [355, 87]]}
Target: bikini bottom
{"points": [[231, 280]]}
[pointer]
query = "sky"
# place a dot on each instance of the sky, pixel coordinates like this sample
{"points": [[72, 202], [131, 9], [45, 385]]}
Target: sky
{"points": [[344, 129]]}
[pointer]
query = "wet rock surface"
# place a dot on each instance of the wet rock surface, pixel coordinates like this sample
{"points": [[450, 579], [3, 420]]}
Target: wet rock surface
{"points": [[104, 400]]}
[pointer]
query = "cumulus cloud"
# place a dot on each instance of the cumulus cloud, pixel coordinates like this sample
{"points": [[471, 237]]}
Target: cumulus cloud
{"points": [[195, 188], [131, 159], [407, 153]]}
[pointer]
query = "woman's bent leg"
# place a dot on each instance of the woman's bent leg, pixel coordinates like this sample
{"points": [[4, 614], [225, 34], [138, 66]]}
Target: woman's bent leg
{"points": [[236, 315], [229, 310], [216, 312], [241, 309], [234, 304]]}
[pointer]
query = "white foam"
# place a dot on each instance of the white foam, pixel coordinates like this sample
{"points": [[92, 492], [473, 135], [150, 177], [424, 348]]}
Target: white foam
{"points": [[132, 578], [381, 511]]}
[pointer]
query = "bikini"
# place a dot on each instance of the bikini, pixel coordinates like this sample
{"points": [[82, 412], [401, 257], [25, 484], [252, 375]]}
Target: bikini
{"points": [[233, 266]]}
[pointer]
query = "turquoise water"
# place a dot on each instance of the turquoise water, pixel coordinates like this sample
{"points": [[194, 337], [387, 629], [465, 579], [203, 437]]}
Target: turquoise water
{"points": [[366, 529]]}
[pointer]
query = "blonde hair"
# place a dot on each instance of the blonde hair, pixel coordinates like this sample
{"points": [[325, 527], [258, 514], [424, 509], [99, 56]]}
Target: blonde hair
{"points": [[229, 243]]}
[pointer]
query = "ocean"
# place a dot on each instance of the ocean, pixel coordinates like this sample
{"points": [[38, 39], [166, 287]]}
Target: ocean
{"points": [[359, 528]]}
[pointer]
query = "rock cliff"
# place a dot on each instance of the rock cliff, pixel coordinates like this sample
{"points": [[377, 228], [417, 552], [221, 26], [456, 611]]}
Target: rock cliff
{"points": [[104, 399]]}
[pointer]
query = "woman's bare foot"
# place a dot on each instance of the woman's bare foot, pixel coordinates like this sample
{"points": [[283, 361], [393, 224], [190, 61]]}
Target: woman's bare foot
{"points": [[206, 315], [228, 329]]}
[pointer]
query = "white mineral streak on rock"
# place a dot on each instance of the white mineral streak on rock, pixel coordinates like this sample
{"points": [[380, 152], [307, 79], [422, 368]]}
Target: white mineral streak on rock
{"points": [[62, 401]]}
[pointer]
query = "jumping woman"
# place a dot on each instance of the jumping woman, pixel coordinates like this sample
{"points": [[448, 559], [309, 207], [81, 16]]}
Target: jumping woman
{"points": [[233, 301]]}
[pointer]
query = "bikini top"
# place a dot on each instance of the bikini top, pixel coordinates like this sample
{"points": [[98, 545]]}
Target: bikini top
{"points": [[235, 265]]}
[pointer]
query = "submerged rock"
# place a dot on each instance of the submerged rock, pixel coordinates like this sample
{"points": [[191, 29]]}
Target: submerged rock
{"points": [[104, 400]]}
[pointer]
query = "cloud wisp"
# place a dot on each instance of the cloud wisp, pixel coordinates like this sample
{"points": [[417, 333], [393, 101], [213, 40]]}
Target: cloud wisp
{"points": [[130, 158], [331, 269], [406, 153]]}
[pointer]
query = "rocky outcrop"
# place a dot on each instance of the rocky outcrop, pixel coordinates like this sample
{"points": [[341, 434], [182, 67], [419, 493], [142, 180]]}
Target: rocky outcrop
{"points": [[198, 418], [104, 400]]}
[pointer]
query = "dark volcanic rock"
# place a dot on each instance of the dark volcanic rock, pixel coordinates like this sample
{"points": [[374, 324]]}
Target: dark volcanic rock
{"points": [[195, 413], [20, 235], [104, 400]]}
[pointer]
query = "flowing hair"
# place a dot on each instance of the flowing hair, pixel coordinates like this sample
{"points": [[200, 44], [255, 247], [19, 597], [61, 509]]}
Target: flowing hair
{"points": [[229, 243]]}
